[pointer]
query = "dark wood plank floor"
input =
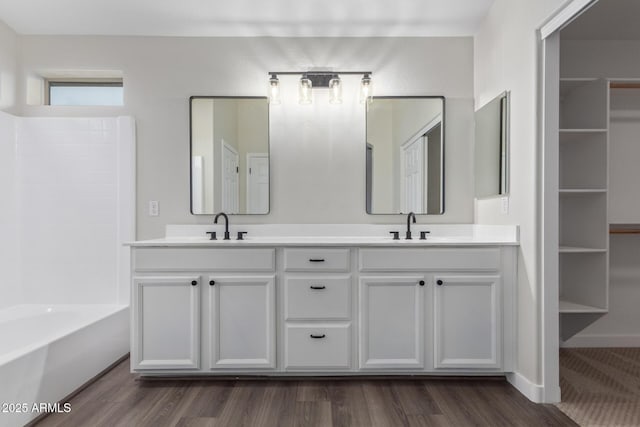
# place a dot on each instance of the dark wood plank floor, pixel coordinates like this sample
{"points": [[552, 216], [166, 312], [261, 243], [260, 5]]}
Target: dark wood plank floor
{"points": [[120, 398]]}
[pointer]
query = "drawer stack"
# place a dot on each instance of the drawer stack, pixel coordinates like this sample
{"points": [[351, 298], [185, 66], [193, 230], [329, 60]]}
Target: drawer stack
{"points": [[317, 309]]}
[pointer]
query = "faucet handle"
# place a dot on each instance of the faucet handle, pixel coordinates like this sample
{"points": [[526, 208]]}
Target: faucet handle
{"points": [[212, 234], [423, 235], [396, 235], [240, 234]]}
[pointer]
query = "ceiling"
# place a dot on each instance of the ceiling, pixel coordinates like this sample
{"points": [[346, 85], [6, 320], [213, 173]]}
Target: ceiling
{"points": [[606, 20], [245, 17]]}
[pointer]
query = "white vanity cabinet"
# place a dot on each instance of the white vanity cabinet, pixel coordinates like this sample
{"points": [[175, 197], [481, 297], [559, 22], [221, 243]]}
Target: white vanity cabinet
{"points": [[241, 321], [447, 316], [392, 322], [467, 314], [166, 322], [317, 297], [203, 304], [338, 308]]}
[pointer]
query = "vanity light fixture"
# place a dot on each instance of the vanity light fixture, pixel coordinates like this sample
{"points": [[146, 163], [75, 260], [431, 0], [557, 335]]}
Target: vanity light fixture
{"points": [[274, 89], [335, 90], [304, 90], [310, 80], [366, 89]]}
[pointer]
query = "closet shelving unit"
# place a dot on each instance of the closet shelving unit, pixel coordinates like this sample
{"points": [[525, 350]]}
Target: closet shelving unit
{"points": [[584, 229]]}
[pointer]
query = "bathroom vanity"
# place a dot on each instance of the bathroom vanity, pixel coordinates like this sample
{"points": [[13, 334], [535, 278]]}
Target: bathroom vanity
{"points": [[304, 303]]}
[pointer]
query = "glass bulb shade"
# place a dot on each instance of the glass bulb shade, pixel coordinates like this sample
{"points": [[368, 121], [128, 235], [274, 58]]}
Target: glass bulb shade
{"points": [[274, 91], [335, 91], [304, 92], [366, 89]]}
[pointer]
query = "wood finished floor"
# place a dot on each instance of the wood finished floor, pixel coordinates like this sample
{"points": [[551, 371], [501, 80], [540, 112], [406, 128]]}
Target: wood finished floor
{"points": [[120, 398]]}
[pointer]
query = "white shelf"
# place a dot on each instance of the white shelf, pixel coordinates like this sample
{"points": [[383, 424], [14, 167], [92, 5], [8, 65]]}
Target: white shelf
{"points": [[582, 131], [579, 250], [572, 307], [582, 190]]}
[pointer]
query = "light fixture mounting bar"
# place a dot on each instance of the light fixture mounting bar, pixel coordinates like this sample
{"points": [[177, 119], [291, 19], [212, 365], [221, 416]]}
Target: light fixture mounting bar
{"points": [[319, 78]]}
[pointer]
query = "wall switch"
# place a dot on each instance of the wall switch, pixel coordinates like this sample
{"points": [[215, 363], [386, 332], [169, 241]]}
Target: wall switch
{"points": [[504, 203], [154, 208]]}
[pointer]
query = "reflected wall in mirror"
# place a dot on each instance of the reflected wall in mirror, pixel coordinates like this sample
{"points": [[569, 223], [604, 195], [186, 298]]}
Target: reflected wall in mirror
{"points": [[492, 147], [229, 155], [405, 155]]}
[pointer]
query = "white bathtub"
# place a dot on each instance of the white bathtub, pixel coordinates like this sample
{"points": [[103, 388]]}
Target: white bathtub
{"points": [[46, 352]]}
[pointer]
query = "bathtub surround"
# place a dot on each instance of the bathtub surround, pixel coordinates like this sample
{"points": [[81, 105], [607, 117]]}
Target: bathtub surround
{"points": [[8, 67], [68, 205], [10, 293]]}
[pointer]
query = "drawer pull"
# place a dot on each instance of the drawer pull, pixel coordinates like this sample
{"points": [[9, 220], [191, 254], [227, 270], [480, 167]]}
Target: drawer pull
{"points": [[212, 282], [317, 336], [194, 283], [316, 260], [421, 282], [439, 282], [318, 287]]}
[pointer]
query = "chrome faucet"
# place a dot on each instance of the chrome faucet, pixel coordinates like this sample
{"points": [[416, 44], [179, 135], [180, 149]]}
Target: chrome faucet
{"points": [[411, 215], [226, 224]]}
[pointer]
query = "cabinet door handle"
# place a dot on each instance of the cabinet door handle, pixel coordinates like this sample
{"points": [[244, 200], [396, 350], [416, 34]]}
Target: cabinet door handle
{"points": [[317, 336], [318, 287], [439, 282], [421, 282], [212, 282], [194, 282], [316, 260]]}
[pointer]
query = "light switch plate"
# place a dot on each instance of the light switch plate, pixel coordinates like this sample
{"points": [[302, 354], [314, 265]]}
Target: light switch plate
{"points": [[154, 208], [504, 203]]}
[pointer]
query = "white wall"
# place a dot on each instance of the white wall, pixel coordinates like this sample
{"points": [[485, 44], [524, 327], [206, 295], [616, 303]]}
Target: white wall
{"points": [[161, 73], [506, 58], [616, 58], [9, 244], [8, 67]]}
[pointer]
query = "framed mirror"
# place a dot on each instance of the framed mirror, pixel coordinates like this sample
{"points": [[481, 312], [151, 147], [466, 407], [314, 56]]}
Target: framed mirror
{"points": [[405, 155], [492, 148], [229, 152]]}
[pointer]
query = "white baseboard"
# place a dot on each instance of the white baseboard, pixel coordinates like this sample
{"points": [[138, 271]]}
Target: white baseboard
{"points": [[602, 340], [534, 392]]}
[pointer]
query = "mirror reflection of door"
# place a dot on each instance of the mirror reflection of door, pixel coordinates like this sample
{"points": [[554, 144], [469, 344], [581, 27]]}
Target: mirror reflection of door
{"points": [[257, 183], [230, 187], [412, 172], [226, 133], [407, 172]]}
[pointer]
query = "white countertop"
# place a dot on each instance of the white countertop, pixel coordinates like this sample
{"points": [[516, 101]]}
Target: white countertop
{"points": [[337, 235]]}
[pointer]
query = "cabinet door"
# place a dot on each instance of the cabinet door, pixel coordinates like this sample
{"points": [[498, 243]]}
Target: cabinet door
{"points": [[391, 322], [242, 322], [467, 322], [166, 322]]}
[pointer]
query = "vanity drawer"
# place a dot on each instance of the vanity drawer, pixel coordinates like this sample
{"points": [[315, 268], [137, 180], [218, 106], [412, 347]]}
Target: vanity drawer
{"points": [[421, 259], [204, 259], [330, 349], [310, 259], [317, 297]]}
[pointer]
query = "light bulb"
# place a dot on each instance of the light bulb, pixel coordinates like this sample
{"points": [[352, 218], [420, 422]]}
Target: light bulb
{"points": [[274, 90], [304, 92], [366, 89], [335, 90]]}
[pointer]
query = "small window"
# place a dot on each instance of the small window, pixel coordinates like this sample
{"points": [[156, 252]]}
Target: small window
{"points": [[84, 92]]}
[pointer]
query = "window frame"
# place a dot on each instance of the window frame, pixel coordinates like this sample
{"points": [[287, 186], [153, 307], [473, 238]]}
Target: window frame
{"points": [[81, 82]]}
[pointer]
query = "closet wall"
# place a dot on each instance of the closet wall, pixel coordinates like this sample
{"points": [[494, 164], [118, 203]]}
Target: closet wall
{"points": [[617, 67]]}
